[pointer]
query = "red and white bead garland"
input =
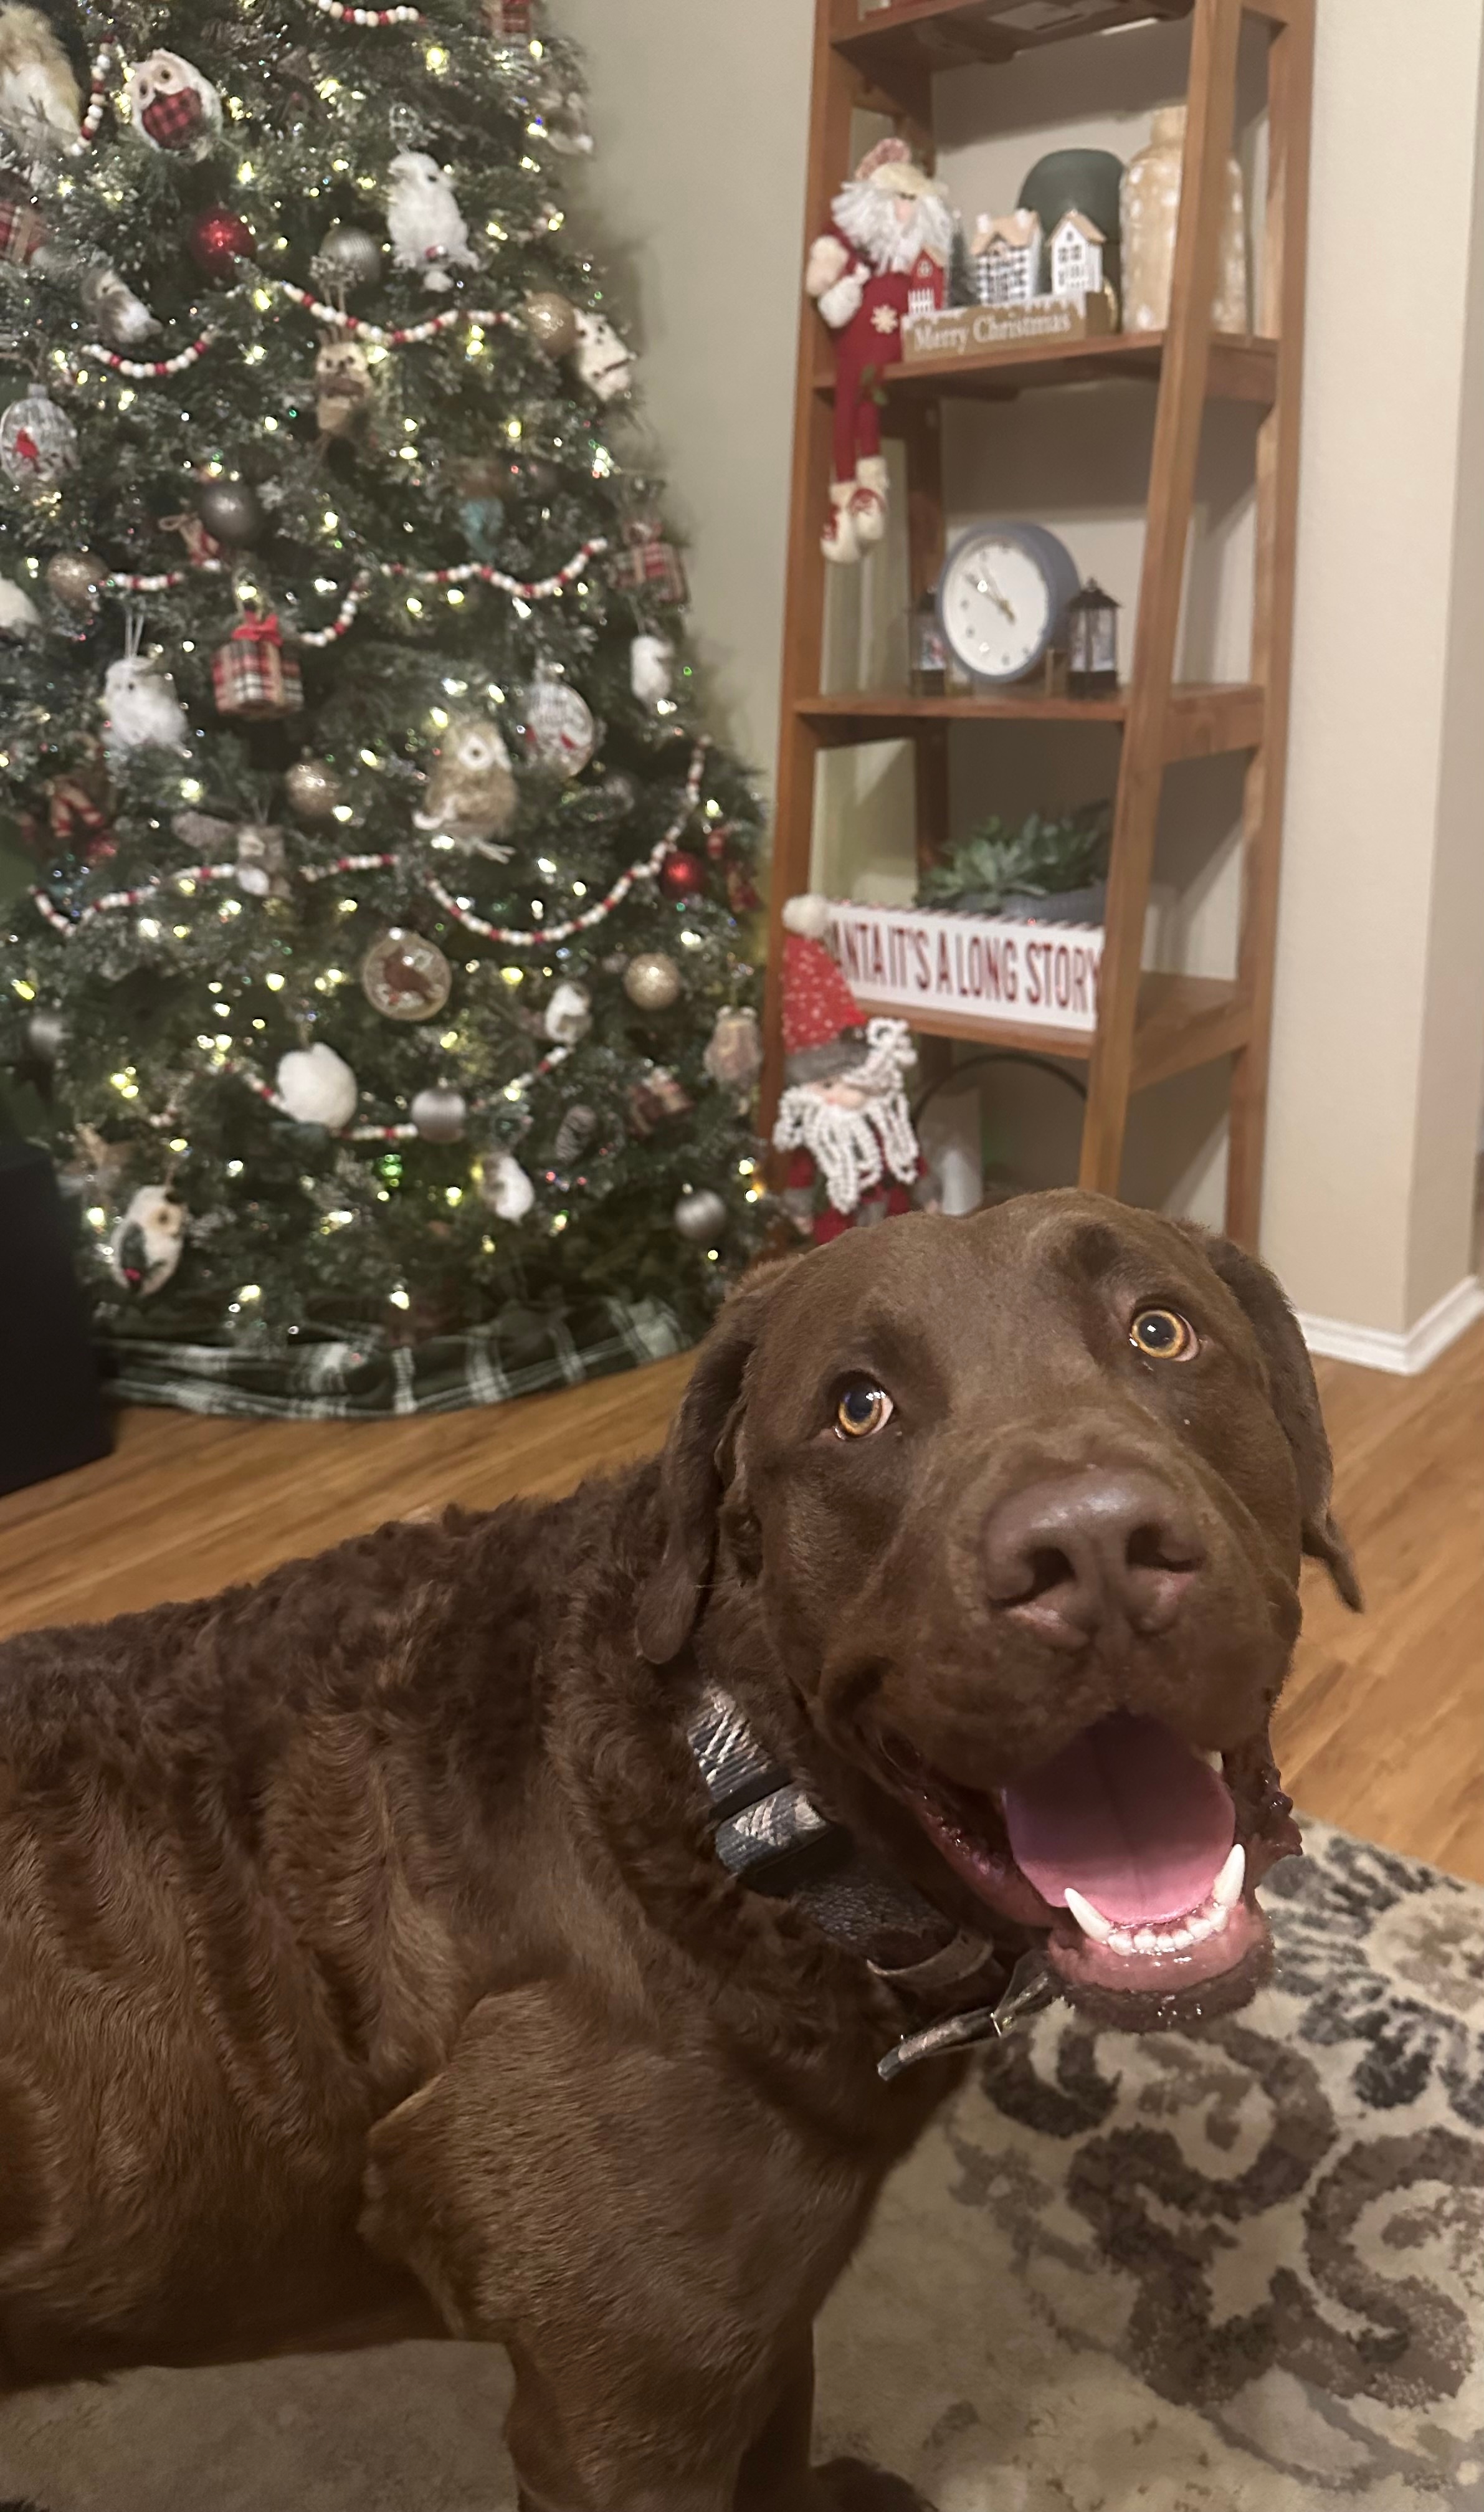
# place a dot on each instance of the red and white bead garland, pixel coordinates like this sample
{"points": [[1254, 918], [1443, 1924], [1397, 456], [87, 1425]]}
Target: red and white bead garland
{"points": [[144, 368], [117, 898], [463, 914], [400, 335], [647, 866], [541, 589], [395, 1133], [343, 619], [98, 68], [345, 16]]}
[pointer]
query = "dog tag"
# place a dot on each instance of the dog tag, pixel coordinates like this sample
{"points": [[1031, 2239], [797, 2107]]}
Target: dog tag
{"points": [[1031, 1987]]}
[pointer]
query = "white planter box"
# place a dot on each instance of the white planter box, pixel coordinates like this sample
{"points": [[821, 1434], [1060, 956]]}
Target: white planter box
{"points": [[985, 969]]}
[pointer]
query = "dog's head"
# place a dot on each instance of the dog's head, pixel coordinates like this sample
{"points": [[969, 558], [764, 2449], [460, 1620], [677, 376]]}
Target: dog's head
{"points": [[995, 1526]]}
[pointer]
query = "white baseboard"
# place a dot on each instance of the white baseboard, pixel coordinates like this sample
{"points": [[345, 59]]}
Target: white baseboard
{"points": [[1406, 1356]]}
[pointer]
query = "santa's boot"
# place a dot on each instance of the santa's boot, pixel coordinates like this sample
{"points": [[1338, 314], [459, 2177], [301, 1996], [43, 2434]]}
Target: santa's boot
{"points": [[867, 499], [839, 540]]}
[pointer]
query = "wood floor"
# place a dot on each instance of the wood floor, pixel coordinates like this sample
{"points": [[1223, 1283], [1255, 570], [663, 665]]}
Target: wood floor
{"points": [[1382, 1729]]}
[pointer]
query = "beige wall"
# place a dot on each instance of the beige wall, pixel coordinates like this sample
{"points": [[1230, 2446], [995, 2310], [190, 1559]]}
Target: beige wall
{"points": [[699, 109]]}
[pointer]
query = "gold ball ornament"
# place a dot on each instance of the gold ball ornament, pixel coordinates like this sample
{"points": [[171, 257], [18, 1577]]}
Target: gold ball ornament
{"points": [[75, 579], [651, 980], [551, 322], [313, 789]]}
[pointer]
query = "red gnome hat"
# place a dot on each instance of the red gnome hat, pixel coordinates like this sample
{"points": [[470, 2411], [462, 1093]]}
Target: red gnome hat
{"points": [[817, 1003]]}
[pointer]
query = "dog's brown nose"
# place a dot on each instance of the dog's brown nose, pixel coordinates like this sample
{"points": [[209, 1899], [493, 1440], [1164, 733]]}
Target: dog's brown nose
{"points": [[1076, 1551]]}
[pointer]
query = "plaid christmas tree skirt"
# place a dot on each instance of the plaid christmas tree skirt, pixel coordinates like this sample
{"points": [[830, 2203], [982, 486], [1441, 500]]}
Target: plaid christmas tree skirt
{"points": [[325, 1378]]}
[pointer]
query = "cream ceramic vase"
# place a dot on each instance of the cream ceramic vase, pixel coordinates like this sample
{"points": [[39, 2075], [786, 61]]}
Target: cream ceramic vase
{"points": [[1151, 214]]}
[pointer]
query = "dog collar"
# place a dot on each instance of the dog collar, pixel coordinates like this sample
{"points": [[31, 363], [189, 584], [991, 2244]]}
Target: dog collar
{"points": [[770, 1835]]}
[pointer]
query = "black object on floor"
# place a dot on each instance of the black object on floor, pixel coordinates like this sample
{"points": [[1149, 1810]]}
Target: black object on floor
{"points": [[52, 1415]]}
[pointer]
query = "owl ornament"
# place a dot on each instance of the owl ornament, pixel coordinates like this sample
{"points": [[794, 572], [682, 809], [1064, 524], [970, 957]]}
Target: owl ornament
{"points": [[172, 106], [40, 108], [424, 221], [140, 702], [342, 387], [471, 796], [604, 361]]}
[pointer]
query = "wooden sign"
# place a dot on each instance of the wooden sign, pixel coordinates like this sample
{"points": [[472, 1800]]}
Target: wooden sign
{"points": [[963, 331], [983, 967]]}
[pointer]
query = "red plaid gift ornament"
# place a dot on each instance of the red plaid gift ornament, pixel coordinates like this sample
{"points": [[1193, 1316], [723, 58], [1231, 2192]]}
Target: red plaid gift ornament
{"points": [[20, 231], [649, 564], [508, 17], [250, 672]]}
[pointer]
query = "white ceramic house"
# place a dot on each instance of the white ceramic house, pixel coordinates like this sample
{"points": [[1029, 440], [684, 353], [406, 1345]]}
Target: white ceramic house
{"points": [[1005, 258], [1076, 253]]}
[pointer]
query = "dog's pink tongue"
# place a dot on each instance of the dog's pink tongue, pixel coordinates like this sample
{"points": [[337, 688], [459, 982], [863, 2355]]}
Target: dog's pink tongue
{"points": [[1128, 1815]]}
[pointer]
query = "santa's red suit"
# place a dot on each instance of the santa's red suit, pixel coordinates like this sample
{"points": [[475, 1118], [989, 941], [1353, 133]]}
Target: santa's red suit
{"points": [[884, 256]]}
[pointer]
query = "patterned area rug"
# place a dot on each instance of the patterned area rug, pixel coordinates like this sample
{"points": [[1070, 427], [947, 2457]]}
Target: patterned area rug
{"points": [[1238, 2272]]}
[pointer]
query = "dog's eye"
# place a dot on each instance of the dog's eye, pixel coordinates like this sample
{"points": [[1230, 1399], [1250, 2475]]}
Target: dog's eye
{"points": [[1162, 1334], [863, 1407]]}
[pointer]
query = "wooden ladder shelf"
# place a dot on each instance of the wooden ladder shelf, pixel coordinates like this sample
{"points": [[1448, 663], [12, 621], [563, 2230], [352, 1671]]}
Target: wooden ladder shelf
{"points": [[1149, 1026]]}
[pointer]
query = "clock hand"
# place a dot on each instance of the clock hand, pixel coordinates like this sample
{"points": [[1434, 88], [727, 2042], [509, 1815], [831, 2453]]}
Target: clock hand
{"points": [[986, 584]]}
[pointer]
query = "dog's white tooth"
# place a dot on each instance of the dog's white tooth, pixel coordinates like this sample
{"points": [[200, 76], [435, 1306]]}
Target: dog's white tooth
{"points": [[1227, 1891], [1119, 1941], [1090, 1920], [1213, 1760], [1201, 1924], [1147, 1940], [1177, 1941], [1220, 1917]]}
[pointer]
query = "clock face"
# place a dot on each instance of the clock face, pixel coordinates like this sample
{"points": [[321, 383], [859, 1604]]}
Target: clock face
{"points": [[998, 607]]}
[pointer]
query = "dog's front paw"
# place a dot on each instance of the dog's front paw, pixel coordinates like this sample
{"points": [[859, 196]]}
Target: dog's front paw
{"points": [[849, 2485]]}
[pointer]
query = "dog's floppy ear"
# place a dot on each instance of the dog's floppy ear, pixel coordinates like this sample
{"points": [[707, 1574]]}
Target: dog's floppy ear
{"points": [[1295, 1398], [695, 1464]]}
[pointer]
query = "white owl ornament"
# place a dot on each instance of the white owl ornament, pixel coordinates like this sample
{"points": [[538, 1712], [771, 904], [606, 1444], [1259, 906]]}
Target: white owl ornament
{"points": [[140, 701], [173, 105], [604, 361], [424, 221]]}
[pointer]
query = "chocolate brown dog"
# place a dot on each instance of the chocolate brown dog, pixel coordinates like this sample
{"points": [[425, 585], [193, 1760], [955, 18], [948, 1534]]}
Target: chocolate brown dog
{"points": [[374, 1954]]}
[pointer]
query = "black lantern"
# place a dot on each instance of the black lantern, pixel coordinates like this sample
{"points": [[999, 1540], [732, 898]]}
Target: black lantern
{"points": [[926, 674], [1092, 643]]}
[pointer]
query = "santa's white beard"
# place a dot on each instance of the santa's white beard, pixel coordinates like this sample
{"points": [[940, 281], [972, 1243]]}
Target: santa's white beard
{"points": [[866, 216]]}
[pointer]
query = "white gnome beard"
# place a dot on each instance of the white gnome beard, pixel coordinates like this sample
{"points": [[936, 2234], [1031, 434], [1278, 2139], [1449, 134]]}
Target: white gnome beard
{"points": [[867, 215], [853, 1147]]}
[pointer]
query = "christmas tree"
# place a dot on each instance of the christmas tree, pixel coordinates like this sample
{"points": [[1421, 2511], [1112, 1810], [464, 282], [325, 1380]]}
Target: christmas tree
{"points": [[382, 974]]}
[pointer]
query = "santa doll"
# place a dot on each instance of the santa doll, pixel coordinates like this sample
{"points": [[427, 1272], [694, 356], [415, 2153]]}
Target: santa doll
{"points": [[843, 1116], [886, 254]]}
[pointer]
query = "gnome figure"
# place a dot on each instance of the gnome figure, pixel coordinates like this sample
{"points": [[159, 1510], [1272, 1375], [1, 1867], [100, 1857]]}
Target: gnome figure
{"points": [[844, 1116], [885, 255]]}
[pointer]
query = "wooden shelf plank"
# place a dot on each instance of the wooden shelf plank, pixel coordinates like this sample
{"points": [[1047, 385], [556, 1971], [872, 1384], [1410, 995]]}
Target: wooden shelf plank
{"points": [[899, 47], [1205, 717], [1182, 1021], [1245, 369]]}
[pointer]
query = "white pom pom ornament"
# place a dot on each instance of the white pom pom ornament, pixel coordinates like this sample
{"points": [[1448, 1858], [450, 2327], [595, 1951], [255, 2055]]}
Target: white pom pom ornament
{"points": [[505, 1187], [808, 913], [317, 1086]]}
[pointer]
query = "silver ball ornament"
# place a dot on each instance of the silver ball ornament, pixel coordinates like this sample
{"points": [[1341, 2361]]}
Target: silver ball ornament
{"points": [[46, 1035], [438, 1113], [232, 512], [313, 788], [700, 1216], [347, 257], [651, 980]]}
